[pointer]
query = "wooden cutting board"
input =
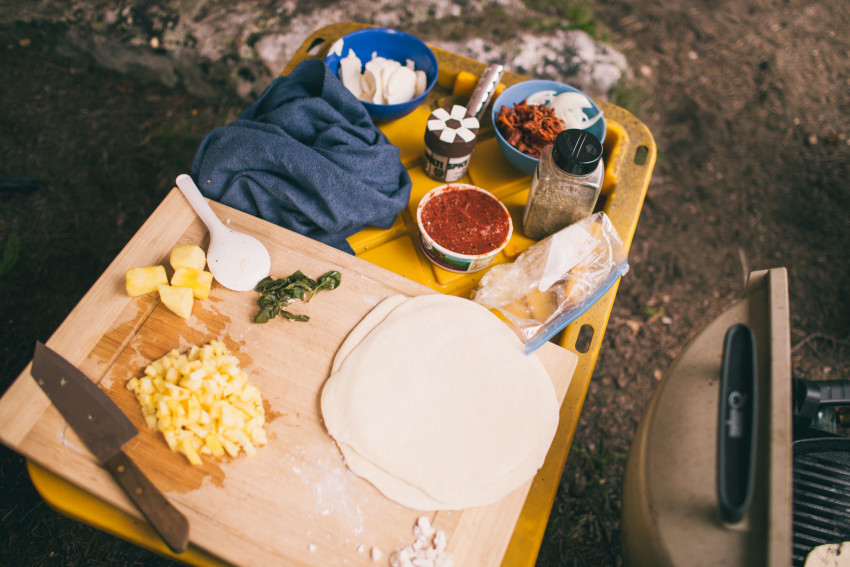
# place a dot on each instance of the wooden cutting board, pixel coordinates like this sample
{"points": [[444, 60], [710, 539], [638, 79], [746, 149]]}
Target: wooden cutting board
{"points": [[295, 502]]}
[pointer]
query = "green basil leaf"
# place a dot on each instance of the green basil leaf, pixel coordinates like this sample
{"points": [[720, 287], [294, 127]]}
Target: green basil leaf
{"points": [[293, 316], [278, 293], [330, 280], [262, 316], [264, 284]]}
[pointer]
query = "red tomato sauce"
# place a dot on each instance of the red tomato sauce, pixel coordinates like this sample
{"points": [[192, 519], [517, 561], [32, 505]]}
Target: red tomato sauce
{"points": [[465, 221]]}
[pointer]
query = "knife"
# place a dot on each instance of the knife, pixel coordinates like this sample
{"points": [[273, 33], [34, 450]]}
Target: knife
{"points": [[484, 90], [105, 429]]}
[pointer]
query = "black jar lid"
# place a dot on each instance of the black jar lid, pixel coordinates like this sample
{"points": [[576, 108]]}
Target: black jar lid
{"points": [[576, 151]]}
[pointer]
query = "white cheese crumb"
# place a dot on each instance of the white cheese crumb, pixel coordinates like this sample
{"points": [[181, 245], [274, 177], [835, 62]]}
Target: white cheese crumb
{"points": [[428, 550], [312, 547], [361, 548], [376, 553]]}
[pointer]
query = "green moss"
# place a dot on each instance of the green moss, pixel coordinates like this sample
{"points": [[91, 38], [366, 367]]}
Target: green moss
{"points": [[11, 253], [564, 14], [496, 23], [629, 96]]}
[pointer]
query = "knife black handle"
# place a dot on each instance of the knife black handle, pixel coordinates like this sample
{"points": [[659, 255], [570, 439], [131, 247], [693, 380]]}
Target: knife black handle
{"points": [[167, 520], [737, 422]]}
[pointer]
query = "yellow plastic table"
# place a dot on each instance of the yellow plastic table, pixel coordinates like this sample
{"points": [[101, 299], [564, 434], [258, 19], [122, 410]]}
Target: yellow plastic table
{"points": [[629, 157]]}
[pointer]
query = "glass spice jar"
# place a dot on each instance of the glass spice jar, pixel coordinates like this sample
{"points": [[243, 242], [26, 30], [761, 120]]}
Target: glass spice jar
{"points": [[565, 185]]}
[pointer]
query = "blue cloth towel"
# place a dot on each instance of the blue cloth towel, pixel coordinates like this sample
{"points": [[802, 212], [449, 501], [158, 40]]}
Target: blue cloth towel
{"points": [[306, 156]]}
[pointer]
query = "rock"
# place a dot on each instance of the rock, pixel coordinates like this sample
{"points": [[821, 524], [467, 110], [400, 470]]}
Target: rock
{"points": [[217, 48], [569, 56]]}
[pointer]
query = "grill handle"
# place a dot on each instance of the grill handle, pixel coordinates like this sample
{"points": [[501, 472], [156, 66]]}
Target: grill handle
{"points": [[737, 419]]}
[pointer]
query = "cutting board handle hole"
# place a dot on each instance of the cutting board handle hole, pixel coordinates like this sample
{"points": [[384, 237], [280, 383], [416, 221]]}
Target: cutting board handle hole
{"points": [[315, 46], [584, 339]]}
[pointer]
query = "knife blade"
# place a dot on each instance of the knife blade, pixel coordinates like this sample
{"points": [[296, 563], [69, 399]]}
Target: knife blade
{"points": [[104, 429]]}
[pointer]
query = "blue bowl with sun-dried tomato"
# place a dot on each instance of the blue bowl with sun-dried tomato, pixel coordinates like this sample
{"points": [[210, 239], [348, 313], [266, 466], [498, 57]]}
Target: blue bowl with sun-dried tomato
{"points": [[519, 142], [462, 227]]}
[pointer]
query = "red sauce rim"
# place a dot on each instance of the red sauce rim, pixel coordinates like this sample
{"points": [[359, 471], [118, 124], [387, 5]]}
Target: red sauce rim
{"points": [[461, 187]]}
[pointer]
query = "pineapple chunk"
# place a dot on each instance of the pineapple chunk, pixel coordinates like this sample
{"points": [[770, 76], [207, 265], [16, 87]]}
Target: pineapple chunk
{"points": [[198, 280], [145, 280], [187, 449], [542, 304], [518, 309], [178, 299], [189, 256], [201, 416]]}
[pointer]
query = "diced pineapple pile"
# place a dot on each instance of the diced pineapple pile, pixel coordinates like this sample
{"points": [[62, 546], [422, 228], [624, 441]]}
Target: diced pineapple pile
{"points": [[202, 403], [188, 283]]}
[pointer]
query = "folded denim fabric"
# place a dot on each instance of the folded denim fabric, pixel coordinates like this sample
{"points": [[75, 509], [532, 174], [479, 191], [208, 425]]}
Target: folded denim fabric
{"points": [[306, 156]]}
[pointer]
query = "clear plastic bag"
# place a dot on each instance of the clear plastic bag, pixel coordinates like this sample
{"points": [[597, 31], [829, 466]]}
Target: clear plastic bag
{"points": [[556, 279]]}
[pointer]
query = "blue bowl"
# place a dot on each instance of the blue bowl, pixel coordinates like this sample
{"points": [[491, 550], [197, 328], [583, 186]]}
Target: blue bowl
{"points": [[390, 44], [521, 91]]}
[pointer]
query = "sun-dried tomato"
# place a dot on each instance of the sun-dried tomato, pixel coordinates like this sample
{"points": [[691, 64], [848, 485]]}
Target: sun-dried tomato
{"points": [[529, 127]]}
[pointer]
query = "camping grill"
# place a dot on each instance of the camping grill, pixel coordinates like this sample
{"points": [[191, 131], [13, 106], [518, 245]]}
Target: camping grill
{"points": [[726, 467], [821, 494]]}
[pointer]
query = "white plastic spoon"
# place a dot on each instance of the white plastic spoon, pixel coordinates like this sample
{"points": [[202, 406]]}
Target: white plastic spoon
{"points": [[237, 260]]}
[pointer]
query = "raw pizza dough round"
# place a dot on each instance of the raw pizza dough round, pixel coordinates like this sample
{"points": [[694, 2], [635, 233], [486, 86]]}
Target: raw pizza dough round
{"points": [[433, 400]]}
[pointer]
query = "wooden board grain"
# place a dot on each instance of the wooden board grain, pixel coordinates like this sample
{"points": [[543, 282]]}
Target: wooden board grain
{"points": [[295, 502]]}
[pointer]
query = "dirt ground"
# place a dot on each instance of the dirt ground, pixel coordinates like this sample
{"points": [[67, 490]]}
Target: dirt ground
{"points": [[750, 107]]}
